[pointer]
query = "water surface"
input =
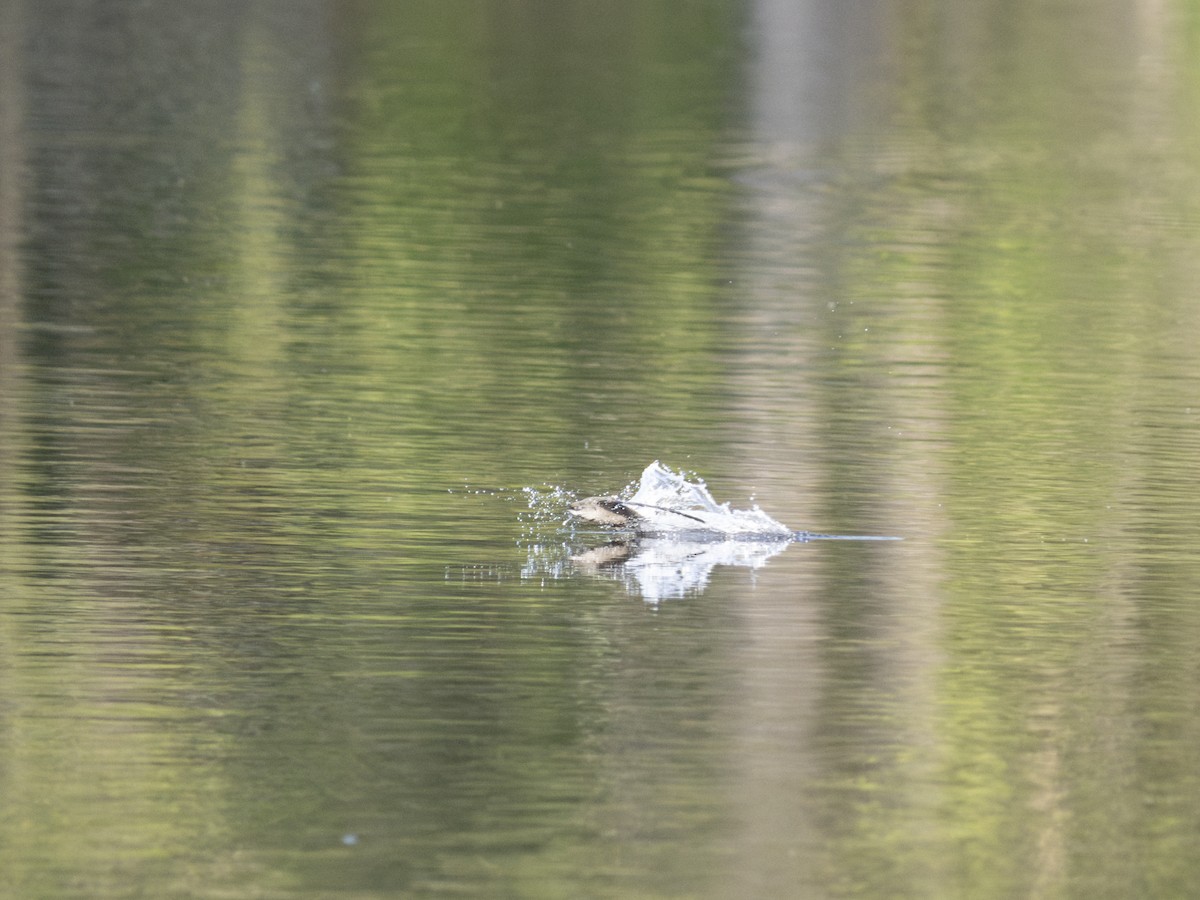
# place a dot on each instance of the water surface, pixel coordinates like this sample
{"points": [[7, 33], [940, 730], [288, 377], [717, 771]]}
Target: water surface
{"points": [[301, 306]]}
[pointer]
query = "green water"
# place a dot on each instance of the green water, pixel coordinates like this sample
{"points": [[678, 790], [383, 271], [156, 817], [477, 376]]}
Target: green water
{"points": [[297, 299]]}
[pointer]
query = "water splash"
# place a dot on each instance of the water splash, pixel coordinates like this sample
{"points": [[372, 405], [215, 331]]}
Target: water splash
{"points": [[683, 533], [544, 505], [671, 504]]}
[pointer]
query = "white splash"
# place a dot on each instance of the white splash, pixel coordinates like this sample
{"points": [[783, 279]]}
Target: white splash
{"points": [[670, 504]]}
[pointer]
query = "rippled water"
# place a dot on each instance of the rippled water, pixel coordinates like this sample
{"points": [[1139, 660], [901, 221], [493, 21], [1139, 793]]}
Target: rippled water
{"points": [[314, 317]]}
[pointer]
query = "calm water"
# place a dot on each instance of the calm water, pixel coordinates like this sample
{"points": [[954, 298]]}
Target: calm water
{"points": [[312, 315]]}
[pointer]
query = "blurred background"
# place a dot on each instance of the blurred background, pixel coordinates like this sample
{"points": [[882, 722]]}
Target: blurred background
{"points": [[301, 303]]}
